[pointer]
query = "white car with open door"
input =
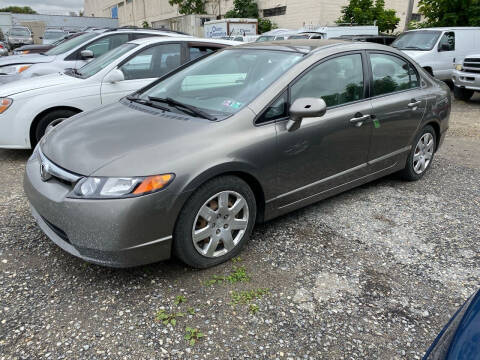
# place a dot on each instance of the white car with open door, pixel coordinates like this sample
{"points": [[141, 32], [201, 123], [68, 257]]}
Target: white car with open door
{"points": [[28, 106]]}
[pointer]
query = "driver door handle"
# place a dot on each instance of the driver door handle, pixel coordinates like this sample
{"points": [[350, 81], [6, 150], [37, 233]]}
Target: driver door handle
{"points": [[359, 119], [414, 103]]}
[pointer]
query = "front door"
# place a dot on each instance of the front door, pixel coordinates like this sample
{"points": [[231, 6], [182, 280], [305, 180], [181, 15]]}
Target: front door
{"points": [[445, 57], [140, 70], [331, 150], [399, 103]]}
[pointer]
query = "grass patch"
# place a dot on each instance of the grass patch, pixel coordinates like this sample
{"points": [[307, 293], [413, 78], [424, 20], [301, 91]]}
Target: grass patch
{"points": [[245, 297], [239, 274]]}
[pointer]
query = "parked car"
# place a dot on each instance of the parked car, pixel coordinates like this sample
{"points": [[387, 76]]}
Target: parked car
{"points": [[466, 77], [18, 36], [52, 35], [242, 38], [437, 49], [191, 162], [263, 38], [460, 338], [3, 49], [129, 67], [39, 49], [379, 39], [307, 35], [73, 53]]}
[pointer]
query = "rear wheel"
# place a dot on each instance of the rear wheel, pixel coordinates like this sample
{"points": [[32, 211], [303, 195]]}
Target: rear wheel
{"points": [[45, 120], [421, 155], [462, 94], [215, 223]]}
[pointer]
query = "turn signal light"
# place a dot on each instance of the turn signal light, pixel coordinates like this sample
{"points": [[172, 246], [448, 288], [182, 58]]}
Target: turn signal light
{"points": [[153, 183], [5, 104], [23, 68]]}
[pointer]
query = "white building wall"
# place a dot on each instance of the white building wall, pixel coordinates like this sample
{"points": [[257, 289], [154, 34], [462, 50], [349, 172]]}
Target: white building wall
{"points": [[298, 13]]}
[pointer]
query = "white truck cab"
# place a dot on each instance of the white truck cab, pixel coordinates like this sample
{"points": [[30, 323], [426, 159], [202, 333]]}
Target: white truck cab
{"points": [[438, 49]]}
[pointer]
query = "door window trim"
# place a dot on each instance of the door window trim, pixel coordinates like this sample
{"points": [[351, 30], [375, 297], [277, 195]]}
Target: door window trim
{"points": [[370, 79], [76, 54]]}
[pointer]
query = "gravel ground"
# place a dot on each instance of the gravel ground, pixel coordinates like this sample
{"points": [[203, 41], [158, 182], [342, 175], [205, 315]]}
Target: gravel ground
{"points": [[372, 273]]}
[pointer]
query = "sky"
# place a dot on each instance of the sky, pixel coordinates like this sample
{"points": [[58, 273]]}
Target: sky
{"points": [[53, 7]]}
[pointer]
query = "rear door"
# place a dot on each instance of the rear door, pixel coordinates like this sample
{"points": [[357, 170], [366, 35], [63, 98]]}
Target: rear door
{"points": [[143, 68], [399, 103]]}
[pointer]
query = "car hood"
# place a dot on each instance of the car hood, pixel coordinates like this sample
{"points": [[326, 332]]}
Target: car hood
{"points": [[414, 54], [120, 140], [26, 59], [38, 82]]}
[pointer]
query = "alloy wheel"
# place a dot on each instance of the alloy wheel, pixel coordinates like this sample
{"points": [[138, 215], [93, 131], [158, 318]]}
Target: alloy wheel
{"points": [[220, 224], [423, 153]]}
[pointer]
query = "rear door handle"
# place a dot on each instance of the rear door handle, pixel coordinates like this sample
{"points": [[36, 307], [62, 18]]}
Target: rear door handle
{"points": [[359, 119], [414, 103]]}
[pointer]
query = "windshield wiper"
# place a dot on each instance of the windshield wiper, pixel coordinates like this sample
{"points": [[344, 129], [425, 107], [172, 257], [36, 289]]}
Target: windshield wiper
{"points": [[177, 104], [146, 102]]}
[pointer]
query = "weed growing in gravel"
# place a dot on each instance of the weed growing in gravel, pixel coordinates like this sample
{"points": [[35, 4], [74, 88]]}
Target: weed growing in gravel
{"points": [[191, 311], [236, 259], [168, 318], [253, 308], [192, 335], [245, 297], [180, 299], [239, 274]]}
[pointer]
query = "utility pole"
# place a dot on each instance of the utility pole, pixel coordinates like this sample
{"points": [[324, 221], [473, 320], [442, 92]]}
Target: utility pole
{"points": [[409, 14]]}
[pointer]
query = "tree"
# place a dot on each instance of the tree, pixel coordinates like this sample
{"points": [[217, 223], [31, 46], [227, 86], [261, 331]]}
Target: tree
{"points": [[145, 24], [249, 9], [188, 7], [449, 13], [265, 25], [19, 10], [368, 12]]}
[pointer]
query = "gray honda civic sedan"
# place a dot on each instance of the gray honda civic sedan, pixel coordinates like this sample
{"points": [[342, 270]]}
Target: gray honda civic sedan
{"points": [[189, 164]]}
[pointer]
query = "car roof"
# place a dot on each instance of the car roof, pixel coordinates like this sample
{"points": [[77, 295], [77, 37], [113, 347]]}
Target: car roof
{"points": [[448, 28], [157, 39], [304, 46]]}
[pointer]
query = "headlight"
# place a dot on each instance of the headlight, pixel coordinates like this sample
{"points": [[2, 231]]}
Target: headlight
{"points": [[14, 69], [5, 103], [459, 67], [119, 187]]}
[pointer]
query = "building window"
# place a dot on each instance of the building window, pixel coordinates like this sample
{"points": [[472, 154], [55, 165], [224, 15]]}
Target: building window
{"points": [[129, 1], [416, 17], [120, 4], [281, 10]]}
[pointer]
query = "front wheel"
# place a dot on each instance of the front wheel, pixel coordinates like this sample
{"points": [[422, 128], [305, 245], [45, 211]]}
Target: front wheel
{"points": [[46, 120], [421, 155], [462, 94], [215, 223]]}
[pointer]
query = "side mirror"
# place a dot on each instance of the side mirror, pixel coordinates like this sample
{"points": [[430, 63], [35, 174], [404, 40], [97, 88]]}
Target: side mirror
{"points": [[114, 76], [87, 54], [444, 47], [305, 108]]}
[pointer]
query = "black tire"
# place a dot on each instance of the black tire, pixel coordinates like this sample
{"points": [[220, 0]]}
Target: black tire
{"points": [[183, 246], [42, 124], [462, 94], [409, 173]]}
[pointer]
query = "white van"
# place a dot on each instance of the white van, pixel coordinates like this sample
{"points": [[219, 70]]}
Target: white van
{"points": [[438, 49]]}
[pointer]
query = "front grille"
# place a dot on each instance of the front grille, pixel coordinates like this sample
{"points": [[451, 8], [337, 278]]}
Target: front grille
{"points": [[471, 65], [57, 230]]}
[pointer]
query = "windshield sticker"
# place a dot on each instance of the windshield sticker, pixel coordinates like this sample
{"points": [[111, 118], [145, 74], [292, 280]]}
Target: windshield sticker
{"points": [[232, 104]]}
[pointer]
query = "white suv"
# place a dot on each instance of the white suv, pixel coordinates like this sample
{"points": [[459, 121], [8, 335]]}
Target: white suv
{"points": [[73, 53], [28, 106]]}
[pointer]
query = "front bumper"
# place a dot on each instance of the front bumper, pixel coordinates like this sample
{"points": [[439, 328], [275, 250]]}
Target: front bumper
{"points": [[466, 80], [117, 232]]}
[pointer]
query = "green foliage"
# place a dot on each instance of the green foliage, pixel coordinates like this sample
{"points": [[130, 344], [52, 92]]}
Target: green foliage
{"points": [[449, 13], [168, 318], [18, 10], [253, 308], [245, 297], [180, 299], [188, 7], [366, 12], [239, 274], [145, 24], [243, 9], [191, 311], [192, 335], [265, 25]]}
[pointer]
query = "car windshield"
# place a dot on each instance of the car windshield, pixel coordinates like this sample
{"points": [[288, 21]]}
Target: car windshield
{"points": [[71, 44], [417, 40], [19, 32], [103, 61], [265, 38], [51, 35], [223, 83]]}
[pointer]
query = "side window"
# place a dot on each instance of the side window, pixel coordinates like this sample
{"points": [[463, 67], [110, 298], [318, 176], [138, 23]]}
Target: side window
{"points": [[391, 74], [337, 81], [152, 62], [107, 43], [277, 110], [447, 42], [199, 51], [142, 35]]}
